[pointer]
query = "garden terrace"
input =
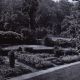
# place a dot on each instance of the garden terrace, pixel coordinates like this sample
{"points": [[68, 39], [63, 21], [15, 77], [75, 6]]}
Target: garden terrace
{"points": [[42, 60], [41, 57], [46, 63]]}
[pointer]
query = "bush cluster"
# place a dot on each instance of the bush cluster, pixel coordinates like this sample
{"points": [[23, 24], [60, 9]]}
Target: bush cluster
{"points": [[44, 55], [69, 59], [34, 61], [2, 60], [29, 36], [60, 42], [8, 72], [10, 37]]}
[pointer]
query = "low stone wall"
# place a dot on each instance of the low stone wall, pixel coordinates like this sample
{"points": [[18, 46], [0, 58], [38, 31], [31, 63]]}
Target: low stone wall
{"points": [[65, 72]]}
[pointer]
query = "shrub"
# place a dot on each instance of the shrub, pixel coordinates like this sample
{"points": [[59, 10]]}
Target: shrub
{"points": [[44, 55], [44, 65], [48, 41], [8, 72], [58, 52], [57, 62], [63, 43], [71, 52], [10, 37], [69, 59], [41, 33], [34, 61], [59, 42], [29, 36], [2, 60]]}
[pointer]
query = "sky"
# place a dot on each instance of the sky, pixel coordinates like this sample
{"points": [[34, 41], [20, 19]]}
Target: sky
{"points": [[58, 0]]}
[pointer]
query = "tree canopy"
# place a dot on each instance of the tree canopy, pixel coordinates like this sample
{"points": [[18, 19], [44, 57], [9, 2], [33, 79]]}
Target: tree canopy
{"points": [[55, 17]]}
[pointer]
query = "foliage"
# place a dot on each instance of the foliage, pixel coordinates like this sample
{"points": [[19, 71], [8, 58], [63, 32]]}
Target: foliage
{"points": [[71, 52], [29, 36], [10, 37], [30, 7], [59, 42], [2, 60], [40, 33], [7, 72], [46, 19], [18, 14], [44, 55], [70, 26], [69, 59], [34, 61]]}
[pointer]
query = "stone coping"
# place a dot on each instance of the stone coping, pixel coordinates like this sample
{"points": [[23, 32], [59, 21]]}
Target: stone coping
{"points": [[47, 72]]}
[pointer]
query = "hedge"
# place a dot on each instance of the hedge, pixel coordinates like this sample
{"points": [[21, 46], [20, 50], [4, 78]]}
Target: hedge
{"points": [[10, 37], [59, 42]]}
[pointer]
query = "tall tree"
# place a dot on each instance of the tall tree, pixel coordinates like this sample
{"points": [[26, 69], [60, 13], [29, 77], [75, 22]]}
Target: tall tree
{"points": [[71, 23], [46, 14], [30, 8]]}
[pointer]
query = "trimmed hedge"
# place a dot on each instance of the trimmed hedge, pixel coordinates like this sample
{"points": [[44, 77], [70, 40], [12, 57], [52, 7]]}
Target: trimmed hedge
{"points": [[69, 59], [71, 52], [59, 42]]}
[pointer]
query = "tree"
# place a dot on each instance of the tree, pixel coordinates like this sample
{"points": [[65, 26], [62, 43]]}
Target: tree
{"points": [[46, 15], [65, 6], [30, 7], [42, 14], [63, 9], [70, 26], [71, 23]]}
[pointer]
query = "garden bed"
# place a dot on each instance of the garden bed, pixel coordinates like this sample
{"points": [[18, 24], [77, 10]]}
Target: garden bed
{"points": [[46, 60], [7, 72], [37, 61], [34, 61]]}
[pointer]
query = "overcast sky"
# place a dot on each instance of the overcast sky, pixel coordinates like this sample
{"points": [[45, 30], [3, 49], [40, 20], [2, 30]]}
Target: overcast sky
{"points": [[58, 0]]}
